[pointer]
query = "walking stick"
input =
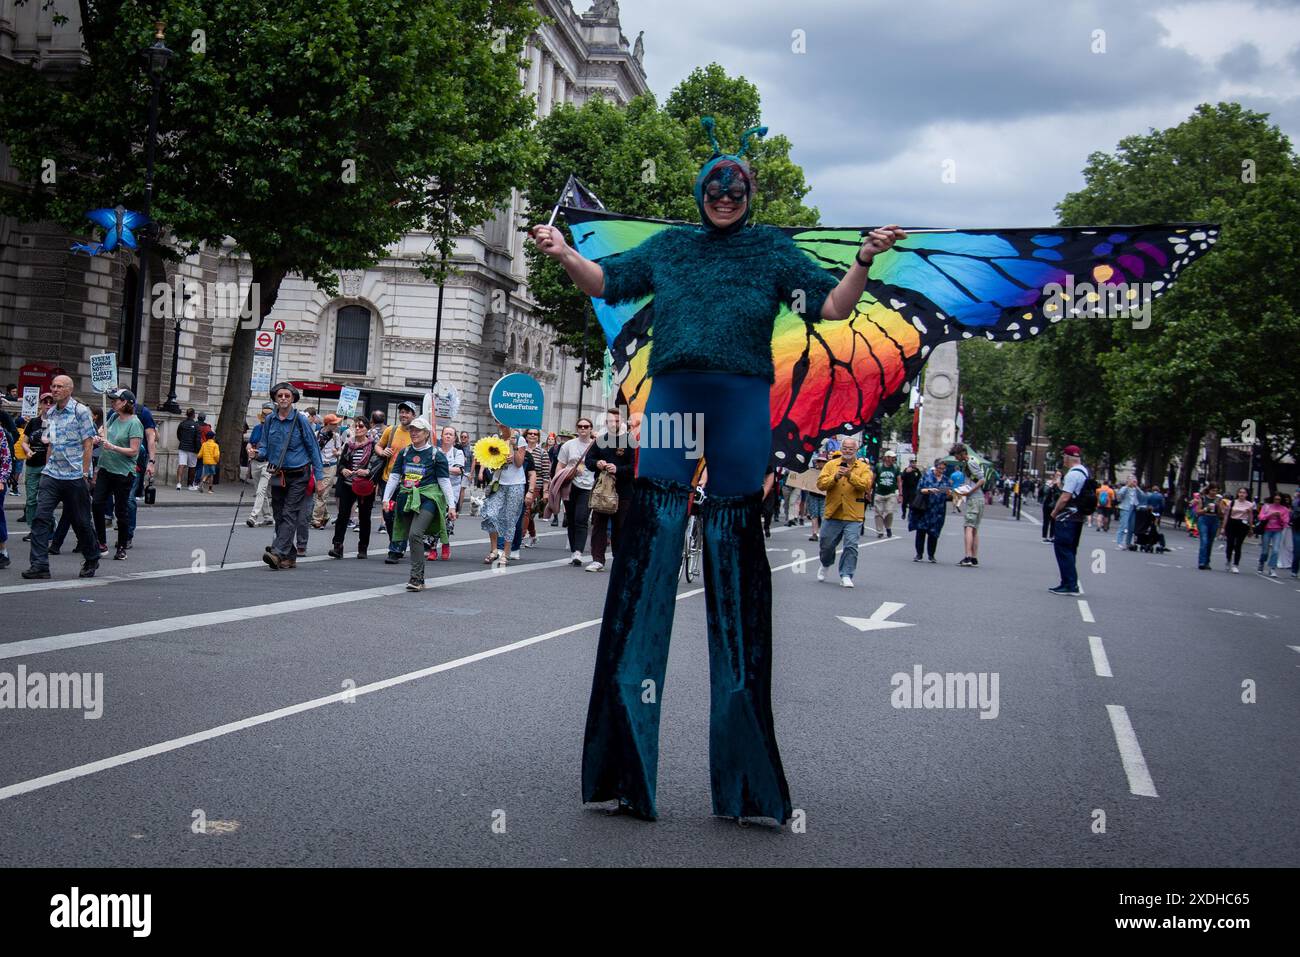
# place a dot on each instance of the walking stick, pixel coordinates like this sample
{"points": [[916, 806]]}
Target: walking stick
{"points": [[238, 506]]}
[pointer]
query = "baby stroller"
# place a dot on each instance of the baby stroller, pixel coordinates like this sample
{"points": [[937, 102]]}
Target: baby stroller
{"points": [[1146, 534]]}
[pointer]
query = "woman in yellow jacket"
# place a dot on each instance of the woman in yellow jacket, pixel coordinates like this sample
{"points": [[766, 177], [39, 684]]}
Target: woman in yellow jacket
{"points": [[846, 480]]}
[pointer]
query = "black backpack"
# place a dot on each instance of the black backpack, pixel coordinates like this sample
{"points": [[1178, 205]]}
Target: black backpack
{"points": [[1086, 500]]}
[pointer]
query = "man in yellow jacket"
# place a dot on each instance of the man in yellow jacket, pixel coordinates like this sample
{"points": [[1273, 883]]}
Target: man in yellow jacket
{"points": [[846, 479]]}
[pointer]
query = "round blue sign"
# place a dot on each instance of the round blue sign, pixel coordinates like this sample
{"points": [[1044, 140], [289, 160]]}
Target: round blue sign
{"points": [[516, 401]]}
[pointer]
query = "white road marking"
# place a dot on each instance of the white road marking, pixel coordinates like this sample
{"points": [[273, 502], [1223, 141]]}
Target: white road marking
{"points": [[1130, 752], [1085, 612], [175, 744], [878, 621], [80, 639], [1295, 648], [1100, 664], [205, 525], [99, 579]]}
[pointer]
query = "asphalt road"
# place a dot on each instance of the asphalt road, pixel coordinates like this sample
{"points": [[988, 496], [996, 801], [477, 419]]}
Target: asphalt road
{"points": [[223, 702]]}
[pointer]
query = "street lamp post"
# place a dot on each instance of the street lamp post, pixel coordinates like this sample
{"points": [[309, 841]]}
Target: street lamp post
{"points": [[157, 55]]}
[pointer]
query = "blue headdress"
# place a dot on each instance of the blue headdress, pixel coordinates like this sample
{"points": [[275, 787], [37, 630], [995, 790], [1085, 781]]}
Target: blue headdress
{"points": [[724, 167]]}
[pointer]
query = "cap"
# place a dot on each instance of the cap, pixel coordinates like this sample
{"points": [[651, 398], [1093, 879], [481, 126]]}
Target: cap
{"points": [[331, 419], [46, 395], [126, 394], [1072, 450], [889, 453], [408, 406], [267, 407], [421, 423]]}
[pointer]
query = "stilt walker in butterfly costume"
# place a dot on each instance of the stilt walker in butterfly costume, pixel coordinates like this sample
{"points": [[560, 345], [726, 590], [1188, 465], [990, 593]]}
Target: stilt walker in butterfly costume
{"points": [[718, 288]]}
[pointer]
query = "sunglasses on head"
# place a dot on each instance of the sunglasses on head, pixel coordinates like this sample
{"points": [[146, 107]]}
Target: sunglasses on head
{"points": [[736, 192]]}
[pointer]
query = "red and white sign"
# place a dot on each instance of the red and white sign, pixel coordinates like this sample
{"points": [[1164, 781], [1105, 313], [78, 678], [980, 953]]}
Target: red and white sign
{"points": [[279, 327], [264, 340]]}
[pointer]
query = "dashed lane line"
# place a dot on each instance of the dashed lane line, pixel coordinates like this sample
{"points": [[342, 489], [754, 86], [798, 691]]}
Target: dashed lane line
{"points": [[1130, 752], [1100, 663], [1085, 612]]}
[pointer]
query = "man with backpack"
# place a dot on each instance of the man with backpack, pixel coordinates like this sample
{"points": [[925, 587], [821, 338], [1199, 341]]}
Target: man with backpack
{"points": [[1077, 501]]}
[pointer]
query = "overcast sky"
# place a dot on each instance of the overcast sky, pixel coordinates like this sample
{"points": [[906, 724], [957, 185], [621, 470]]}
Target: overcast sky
{"points": [[1009, 90]]}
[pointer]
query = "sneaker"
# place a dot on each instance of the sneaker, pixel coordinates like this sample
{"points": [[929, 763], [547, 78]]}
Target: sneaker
{"points": [[933, 561], [268, 523], [964, 563], [34, 572], [27, 537], [821, 574], [974, 563], [178, 486], [812, 538], [5, 561], [846, 581], [302, 550], [1272, 573], [917, 558], [889, 533], [446, 553], [596, 567], [88, 569], [531, 542], [576, 559], [130, 543], [392, 558], [1061, 590], [193, 488], [361, 553], [431, 555], [1237, 571], [880, 534], [515, 556], [120, 554], [555, 521], [415, 584]]}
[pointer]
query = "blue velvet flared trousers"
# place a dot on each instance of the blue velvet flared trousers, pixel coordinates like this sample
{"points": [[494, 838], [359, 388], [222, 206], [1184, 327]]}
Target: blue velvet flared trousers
{"points": [[621, 748]]}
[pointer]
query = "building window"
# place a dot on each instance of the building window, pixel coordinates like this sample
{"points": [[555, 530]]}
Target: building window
{"points": [[523, 354], [352, 340]]}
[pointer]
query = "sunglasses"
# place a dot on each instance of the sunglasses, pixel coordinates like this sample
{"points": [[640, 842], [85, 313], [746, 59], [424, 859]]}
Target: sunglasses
{"points": [[714, 192], [584, 426]]}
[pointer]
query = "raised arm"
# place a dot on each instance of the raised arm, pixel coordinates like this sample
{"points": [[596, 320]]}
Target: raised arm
{"points": [[586, 275], [839, 304]]}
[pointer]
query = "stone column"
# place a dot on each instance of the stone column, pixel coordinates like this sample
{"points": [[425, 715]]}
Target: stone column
{"points": [[544, 99], [535, 74], [939, 411], [561, 88]]}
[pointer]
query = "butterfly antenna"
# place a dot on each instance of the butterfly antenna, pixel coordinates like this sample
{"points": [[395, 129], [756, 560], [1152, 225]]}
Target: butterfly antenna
{"points": [[744, 137], [710, 129]]}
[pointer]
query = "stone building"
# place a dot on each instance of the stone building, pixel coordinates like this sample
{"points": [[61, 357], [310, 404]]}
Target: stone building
{"points": [[58, 308]]}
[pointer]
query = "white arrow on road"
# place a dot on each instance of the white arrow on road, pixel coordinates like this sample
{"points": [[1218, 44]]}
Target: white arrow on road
{"points": [[878, 618]]}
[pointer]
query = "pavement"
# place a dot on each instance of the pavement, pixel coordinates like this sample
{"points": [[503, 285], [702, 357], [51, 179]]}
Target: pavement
{"points": [[168, 496], [324, 716]]}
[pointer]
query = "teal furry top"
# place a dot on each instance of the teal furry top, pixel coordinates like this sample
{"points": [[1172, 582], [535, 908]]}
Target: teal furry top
{"points": [[716, 295]]}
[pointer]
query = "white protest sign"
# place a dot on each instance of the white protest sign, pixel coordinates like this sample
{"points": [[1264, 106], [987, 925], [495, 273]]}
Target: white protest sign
{"points": [[103, 371], [31, 401], [348, 398]]}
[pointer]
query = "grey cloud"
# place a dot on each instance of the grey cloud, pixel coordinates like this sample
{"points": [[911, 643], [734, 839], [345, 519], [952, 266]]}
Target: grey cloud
{"points": [[1241, 62]]}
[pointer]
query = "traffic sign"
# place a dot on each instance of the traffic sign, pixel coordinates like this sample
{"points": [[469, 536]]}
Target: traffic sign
{"points": [[265, 340], [279, 327]]}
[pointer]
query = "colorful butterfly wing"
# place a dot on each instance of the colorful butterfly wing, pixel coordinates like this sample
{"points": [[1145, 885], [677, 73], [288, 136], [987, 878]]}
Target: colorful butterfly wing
{"points": [[627, 326], [104, 218], [941, 286], [935, 286]]}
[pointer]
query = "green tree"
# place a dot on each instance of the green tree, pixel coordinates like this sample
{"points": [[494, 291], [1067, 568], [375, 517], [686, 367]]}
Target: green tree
{"points": [[313, 134], [996, 393]]}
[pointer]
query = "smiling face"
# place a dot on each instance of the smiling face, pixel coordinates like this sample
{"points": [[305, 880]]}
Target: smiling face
{"points": [[725, 207]]}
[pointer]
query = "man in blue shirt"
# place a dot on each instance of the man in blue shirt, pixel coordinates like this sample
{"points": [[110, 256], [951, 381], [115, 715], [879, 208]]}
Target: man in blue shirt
{"points": [[293, 457], [1069, 521], [69, 438]]}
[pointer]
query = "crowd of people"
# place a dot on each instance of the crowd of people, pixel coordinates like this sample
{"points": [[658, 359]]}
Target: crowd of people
{"points": [[302, 464]]}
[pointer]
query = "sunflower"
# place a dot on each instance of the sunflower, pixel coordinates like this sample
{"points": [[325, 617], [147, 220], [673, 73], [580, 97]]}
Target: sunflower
{"points": [[492, 452]]}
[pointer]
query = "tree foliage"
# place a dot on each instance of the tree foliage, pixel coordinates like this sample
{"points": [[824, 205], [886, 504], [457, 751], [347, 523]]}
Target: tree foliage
{"points": [[313, 134]]}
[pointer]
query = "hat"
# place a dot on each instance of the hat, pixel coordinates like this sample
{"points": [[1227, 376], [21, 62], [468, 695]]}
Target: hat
{"points": [[126, 394], [1072, 450], [46, 395], [889, 453], [421, 423], [288, 386], [267, 407], [408, 406], [331, 419]]}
